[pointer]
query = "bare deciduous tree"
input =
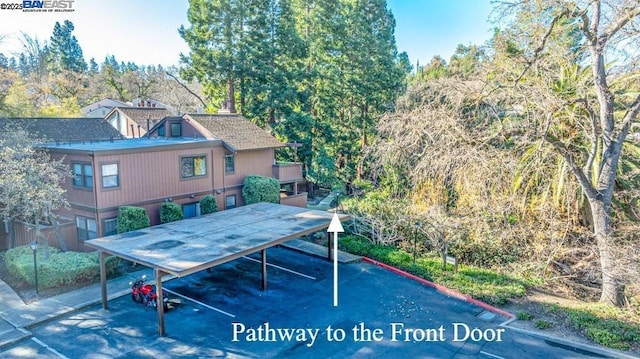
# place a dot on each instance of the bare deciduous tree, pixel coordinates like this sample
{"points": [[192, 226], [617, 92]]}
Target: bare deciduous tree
{"points": [[588, 132]]}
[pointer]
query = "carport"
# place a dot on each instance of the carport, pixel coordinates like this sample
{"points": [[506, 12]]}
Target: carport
{"points": [[194, 244]]}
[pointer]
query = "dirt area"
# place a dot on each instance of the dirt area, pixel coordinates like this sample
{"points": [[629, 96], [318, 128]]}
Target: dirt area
{"points": [[534, 304], [558, 325]]}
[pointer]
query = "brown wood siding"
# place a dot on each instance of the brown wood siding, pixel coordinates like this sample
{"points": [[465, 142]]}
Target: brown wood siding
{"points": [[76, 195], [147, 178], [296, 200], [288, 172], [256, 162], [151, 176], [25, 233], [190, 131]]}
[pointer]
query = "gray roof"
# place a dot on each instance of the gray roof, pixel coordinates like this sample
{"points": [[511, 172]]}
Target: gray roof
{"points": [[63, 129], [137, 144]]}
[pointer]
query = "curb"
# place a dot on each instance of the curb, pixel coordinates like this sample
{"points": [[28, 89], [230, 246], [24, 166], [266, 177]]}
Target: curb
{"points": [[441, 288], [605, 352]]}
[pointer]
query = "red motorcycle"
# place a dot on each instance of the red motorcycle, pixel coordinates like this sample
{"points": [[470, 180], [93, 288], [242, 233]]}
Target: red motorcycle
{"points": [[144, 293]]}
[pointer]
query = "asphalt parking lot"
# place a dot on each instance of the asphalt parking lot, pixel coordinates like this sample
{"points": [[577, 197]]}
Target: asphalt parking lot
{"points": [[224, 313]]}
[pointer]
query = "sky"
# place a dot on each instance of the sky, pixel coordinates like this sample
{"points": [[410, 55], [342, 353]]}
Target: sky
{"points": [[145, 32]]}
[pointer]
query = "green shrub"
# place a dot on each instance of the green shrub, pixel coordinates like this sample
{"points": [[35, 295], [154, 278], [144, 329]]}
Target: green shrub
{"points": [[485, 253], [170, 212], [609, 326], [260, 189], [524, 316], [61, 268], [131, 218], [542, 324], [208, 204]]}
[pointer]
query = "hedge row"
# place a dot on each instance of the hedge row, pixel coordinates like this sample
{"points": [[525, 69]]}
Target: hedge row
{"points": [[61, 268]]}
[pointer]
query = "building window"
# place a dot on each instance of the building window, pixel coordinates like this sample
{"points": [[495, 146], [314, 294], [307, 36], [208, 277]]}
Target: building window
{"points": [[86, 228], [110, 226], [191, 210], [193, 166], [230, 201], [110, 177], [229, 164], [176, 129], [82, 175]]}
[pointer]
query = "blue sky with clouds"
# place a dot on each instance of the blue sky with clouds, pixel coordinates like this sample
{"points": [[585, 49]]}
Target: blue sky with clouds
{"points": [[146, 32]]}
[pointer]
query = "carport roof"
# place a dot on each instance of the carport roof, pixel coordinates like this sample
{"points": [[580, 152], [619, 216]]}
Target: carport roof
{"points": [[191, 245]]}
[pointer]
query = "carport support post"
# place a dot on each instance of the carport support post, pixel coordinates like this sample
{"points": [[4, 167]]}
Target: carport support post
{"points": [[160, 301], [103, 278], [264, 269]]}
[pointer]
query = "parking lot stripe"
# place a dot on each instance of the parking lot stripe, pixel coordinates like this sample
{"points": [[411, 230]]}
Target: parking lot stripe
{"points": [[283, 268], [491, 355], [199, 302], [46, 346]]}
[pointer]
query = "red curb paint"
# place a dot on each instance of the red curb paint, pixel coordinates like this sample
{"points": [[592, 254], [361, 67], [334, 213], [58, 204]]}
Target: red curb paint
{"points": [[440, 288]]}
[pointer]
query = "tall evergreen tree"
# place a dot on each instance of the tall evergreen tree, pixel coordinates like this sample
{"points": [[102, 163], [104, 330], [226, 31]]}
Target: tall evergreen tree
{"points": [[213, 37], [320, 73], [4, 62], [93, 66], [273, 63], [65, 52]]}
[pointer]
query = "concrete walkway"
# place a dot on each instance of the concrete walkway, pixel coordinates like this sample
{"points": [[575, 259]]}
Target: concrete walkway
{"points": [[16, 317], [317, 250], [325, 204]]}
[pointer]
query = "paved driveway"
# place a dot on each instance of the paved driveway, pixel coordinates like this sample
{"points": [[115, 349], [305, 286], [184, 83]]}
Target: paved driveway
{"points": [[224, 313]]}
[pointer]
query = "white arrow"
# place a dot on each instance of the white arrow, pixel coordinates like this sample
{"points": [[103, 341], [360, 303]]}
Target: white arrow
{"points": [[335, 226]]}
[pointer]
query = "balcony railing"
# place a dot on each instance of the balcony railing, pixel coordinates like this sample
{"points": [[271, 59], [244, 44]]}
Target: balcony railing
{"points": [[296, 200], [287, 171]]}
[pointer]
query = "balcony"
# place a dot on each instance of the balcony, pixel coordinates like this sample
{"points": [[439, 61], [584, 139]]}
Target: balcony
{"points": [[287, 172], [296, 200]]}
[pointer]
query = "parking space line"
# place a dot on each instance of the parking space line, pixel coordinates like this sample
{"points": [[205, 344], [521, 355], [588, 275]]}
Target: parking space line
{"points": [[199, 302], [491, 355], [283, 268], [46, 346]]}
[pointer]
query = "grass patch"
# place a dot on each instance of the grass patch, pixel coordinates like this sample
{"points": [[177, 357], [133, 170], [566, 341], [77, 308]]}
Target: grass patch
{"points": [[524, 316], [482, 284], [542, 324], [609, 326]]}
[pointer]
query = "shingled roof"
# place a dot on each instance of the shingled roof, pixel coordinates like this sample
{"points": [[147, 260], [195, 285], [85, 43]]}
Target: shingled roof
{"points": [[236, 131], [63, 129], [140, 115]]}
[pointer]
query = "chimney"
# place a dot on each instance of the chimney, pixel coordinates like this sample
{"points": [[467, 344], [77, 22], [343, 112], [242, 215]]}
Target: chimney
{"points": [[225, 109]]}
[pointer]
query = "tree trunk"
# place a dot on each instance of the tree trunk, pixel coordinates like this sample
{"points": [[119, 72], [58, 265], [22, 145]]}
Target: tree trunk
{"points": [[58, 233], [612, 288], [231, 100]]}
